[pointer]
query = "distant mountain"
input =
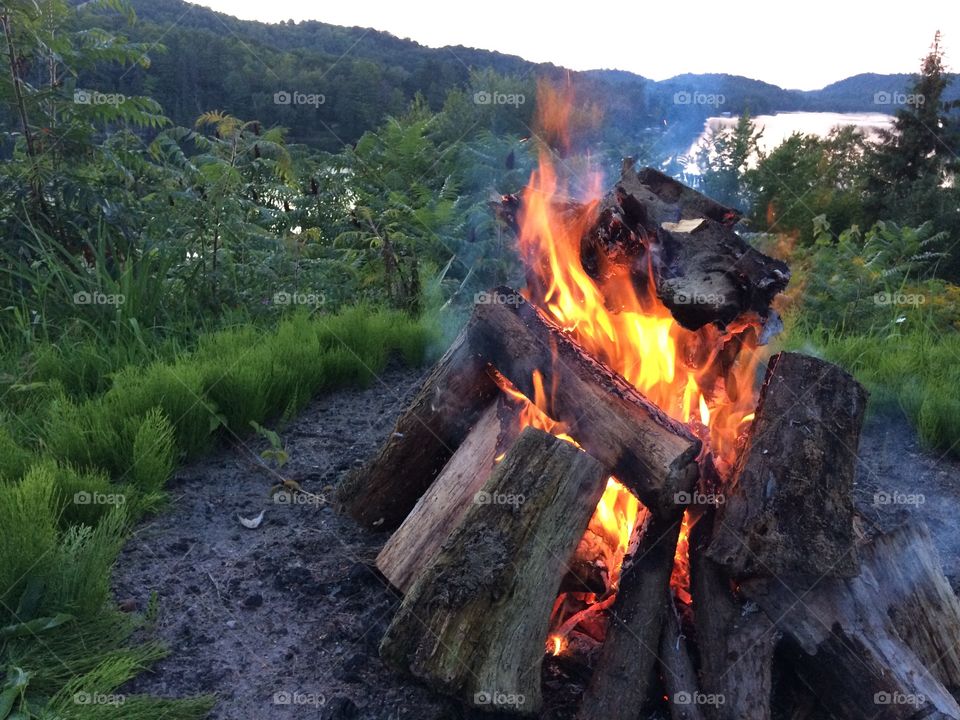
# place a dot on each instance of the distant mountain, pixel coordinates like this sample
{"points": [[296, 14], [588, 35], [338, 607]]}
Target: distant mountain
{"points": [[215, 61]]}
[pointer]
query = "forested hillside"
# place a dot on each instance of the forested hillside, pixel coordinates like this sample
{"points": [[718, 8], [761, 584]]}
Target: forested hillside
{"points": [[201, 59]]}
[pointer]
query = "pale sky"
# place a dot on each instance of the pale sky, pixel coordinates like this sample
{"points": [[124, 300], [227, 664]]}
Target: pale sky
{"points": [[799, 45]]}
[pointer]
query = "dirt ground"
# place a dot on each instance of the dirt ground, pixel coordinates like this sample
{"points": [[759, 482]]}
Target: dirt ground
{"points": [[284, 620]]}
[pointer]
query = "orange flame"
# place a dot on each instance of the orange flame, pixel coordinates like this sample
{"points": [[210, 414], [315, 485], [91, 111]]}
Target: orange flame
{"points": [[690, 375], [704, 378]]}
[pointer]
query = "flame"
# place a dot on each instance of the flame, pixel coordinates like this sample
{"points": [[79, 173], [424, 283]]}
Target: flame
{"points": [[691, 375], [556, 644], [680, 577], [704, 378]]}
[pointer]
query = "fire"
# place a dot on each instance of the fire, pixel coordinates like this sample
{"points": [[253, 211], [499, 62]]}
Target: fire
{"points": [[703, 378], [609, 532], [691, 375], [680, 578]]}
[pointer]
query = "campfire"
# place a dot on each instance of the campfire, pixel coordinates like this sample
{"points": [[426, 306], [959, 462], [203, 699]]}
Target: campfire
{"points": [[593, 488]]}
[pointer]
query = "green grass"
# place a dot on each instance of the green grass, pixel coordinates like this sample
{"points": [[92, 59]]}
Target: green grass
{"points": [[86, 448], [915, 368]]}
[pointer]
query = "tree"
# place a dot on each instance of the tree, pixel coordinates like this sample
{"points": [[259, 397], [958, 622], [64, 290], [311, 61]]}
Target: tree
{"points": [[724, 161], [914, 170], [807, 176]]}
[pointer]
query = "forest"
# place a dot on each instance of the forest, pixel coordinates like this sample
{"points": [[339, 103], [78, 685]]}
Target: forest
{"points": [[192, 247]]}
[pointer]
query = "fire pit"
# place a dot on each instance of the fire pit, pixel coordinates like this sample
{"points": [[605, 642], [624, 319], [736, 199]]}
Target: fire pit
{"points": [[593, 490]]}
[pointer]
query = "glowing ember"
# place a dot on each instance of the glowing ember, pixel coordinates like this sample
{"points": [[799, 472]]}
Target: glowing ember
{"points": [[556, 644], [680, 578]]}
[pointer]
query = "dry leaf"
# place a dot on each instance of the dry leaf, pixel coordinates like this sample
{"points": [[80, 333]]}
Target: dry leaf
{"points": [[251, 523]]}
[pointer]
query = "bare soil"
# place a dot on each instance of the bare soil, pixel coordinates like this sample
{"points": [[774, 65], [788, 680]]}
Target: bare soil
{"points": [[284, 620]]}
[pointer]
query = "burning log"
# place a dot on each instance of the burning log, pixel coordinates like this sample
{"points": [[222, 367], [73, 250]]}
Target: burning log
{"points": [[679, 677], [475, 622], [849, 631], [417, 541], [791, 509], [624, 671], [649, 452], [382, 493], [736, 646], [703, 271]]}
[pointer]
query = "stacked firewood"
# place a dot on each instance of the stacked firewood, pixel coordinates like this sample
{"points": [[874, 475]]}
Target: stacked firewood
{"points": [[789, 596]]}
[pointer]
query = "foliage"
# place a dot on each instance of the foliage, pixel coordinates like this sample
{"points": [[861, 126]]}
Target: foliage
{"points": [[913, 175], [878, 279], [724, 161], [805, 177]]}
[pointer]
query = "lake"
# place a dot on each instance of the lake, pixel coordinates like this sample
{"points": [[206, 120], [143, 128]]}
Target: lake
{"points": [[778, 127]]}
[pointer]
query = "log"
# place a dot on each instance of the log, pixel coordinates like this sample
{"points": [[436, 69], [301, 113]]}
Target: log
{"points": [[650, 453], [736, 644], [790, 510], [383, 492], [849, 630], [623, 673], [918, 599], [702, 270], [441, 509], [684, 202], [679, 677], [475, 623]]}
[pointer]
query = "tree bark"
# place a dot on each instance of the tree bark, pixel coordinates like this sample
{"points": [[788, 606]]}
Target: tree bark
{"points": [[475, 622], [679, 677], [441, 509], [849, 630], [736, 646], [790, 509]]}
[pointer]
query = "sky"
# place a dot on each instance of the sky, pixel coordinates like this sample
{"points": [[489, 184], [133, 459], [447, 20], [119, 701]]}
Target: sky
{"points": [[801, 46]]}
